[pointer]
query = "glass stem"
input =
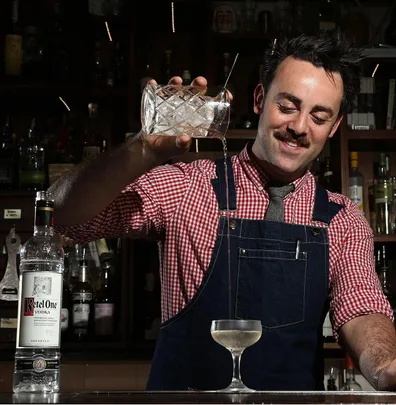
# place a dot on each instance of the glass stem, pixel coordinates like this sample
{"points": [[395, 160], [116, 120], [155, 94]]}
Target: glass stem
{"points": [[236, 360]]}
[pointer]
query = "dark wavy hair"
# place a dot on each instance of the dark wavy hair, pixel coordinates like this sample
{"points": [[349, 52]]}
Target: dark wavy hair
{"points": [[332, 51]]}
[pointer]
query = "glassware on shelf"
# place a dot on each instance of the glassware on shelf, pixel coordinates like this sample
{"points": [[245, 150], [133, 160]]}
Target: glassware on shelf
{"points": [[350, 383], [331, 381], [236, 335]]}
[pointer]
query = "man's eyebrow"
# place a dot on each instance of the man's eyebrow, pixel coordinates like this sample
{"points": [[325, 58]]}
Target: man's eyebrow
{"points": [[296, 100], [289, 97]]}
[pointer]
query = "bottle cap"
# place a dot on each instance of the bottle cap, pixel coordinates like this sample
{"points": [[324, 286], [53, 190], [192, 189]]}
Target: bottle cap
{"points": [[354, 155]]}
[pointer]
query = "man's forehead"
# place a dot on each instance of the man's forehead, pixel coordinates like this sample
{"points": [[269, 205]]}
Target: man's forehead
{"points": [[292, 65], [292, 71]]}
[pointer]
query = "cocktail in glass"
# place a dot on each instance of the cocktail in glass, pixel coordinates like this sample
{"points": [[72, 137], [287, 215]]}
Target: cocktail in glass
{"points": [[236, 335]]}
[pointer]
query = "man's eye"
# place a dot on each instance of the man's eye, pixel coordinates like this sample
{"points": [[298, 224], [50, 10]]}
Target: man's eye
{"points": [[285, 109], [319, 120]]}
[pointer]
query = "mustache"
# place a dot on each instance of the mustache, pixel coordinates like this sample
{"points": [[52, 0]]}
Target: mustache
{"points": [[285, 136]]}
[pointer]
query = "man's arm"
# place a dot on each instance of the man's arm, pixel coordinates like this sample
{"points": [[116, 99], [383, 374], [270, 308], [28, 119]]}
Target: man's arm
{"points": [[85, 191], [371, 341], [90, 187]]}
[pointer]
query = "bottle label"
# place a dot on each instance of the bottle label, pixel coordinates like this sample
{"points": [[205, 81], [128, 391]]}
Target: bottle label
{"points": [[82, 296], [32, 177], [80, 314], [104, 315], [355, 193], [64, 319], [40, 309], [383, 193], [328, 173], [13, 54], [37, 364]]}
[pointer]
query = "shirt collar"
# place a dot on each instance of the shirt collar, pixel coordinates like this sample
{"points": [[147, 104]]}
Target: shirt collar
{"points": [[256, 173]]}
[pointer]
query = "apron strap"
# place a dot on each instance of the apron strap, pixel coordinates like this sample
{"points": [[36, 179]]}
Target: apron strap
{"points": [[324, 210], [219, 185]]}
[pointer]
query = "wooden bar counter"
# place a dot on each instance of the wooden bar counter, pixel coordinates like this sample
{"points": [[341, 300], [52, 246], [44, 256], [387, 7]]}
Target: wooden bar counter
{"points": [[203, 397]]}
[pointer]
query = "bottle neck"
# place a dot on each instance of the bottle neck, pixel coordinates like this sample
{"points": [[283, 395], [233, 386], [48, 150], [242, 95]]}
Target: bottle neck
{"points": [[44, 219], [83, 274], [43, 230]]}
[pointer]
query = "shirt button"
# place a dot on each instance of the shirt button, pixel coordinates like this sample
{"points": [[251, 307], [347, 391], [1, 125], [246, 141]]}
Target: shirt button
{"points": [[260, 188], [233, 224], [315, 231]]}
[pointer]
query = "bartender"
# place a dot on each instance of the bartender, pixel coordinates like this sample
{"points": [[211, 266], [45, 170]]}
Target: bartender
{"points": [[296, 250]]}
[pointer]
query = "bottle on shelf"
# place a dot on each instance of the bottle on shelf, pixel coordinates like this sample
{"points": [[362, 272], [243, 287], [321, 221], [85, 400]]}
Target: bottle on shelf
{"points": [[82, 296], [34, 55], [32, 173], [355, 188], [382, 268], [8, 158], [326, 177], [66, 302], [62, 159], [383, 197], [98, 72], [60, 55], [104, 305], [186, 77], [331, 381], [167, 73], [13, 44], [93, 138], [350, 383], [37, 356], [147, 73], [328, 15], [394, 204]]}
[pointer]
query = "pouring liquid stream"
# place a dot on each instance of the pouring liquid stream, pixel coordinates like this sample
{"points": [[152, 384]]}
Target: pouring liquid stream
{"points": [[224, 141]]}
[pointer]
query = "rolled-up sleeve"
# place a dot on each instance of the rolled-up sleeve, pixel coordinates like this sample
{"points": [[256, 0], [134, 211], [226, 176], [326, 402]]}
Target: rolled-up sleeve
{"points": [[141, 210], [355, 288]]}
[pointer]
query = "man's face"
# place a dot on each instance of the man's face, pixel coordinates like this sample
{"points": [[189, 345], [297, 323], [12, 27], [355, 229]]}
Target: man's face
{"points": [[298, 114]]}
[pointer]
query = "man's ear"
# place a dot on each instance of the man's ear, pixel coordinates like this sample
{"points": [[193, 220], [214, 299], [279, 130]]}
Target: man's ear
{"points": [[258, 105], [336, 125]]}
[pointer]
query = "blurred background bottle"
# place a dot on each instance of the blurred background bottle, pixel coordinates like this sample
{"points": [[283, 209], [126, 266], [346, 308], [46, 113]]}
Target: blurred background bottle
{"points": [[350, 383], [355, 188], [32, 174], [82, 295]]}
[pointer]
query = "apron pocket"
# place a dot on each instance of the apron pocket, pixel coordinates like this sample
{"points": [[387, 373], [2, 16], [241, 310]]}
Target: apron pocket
{"points": [[271, 287]]}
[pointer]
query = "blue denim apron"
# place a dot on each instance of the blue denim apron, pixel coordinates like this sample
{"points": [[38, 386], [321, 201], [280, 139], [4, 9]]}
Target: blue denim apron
{"points": [[287, 291]]}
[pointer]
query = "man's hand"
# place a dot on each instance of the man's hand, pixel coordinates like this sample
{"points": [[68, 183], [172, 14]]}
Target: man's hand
{"points": [[163, 148], [371, 342]]}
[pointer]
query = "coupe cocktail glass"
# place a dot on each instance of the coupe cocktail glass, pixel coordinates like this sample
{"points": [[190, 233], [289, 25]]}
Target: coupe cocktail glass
{"points": [[174, 110], [236, 335]]}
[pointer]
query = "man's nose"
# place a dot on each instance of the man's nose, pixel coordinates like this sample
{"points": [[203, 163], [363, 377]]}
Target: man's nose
{"points": [[299, 125]]}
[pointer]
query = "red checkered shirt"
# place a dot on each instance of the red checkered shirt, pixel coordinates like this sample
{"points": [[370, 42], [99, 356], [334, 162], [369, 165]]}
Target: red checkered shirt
{"points": [[176, 205]]}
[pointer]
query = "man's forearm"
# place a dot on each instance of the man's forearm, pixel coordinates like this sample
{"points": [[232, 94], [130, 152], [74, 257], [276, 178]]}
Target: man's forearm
{"points": [[90, 187], [371, 340]]}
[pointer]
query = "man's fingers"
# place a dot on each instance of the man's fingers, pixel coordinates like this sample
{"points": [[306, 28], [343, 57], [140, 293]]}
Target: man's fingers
{"points": [[176, 80], [183, 142], [199, 81]]}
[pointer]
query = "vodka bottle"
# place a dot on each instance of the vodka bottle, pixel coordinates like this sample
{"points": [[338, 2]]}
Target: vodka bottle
{"points": [[37, 356]]}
